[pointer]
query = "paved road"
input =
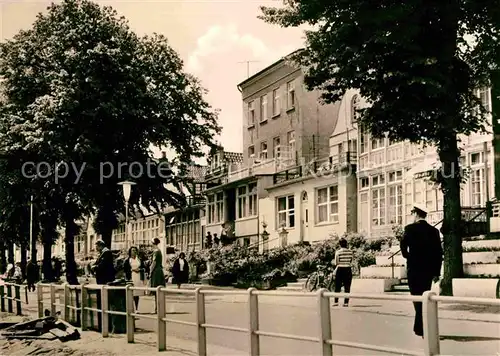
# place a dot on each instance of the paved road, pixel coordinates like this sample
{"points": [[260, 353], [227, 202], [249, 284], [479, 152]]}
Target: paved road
{"points": [[355, 324], [460, 337]]}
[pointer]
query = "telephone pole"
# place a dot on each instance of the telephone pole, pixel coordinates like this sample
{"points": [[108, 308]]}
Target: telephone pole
{"points": [[248, 66]]}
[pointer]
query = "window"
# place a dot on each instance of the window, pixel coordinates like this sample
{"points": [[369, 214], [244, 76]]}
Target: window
{"points": [[219, 204], [290, 88], [252, 199], [242, 202], [378, 200], [263, 150], [354, 107], [276, 147], [251, 113], [476, 158], [477, 180], [328, 204], [484, 96], [251, 151], [364, 183], [263, 108], [363, 140], [377, 143], [396, 204], [291, 144], [286, 211], [211, 209], [395, 176], [276, 102]]}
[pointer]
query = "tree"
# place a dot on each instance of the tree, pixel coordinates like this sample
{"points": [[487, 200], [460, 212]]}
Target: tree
{"points": [[84, 91], [417, 65]]}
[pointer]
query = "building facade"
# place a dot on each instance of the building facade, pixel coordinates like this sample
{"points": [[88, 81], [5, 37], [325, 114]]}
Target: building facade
{"points": [[392, 176]]}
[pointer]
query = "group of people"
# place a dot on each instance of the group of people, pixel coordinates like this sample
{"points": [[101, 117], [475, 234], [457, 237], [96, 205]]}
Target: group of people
{"points": [[135, 269], [420, 246]]}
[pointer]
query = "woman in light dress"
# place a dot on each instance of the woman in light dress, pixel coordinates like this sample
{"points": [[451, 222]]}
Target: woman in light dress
{"points": [[134, 271]]}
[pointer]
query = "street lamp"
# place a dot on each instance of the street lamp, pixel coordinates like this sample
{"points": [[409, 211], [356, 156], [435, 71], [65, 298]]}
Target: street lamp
{"points": [[127, 188]]}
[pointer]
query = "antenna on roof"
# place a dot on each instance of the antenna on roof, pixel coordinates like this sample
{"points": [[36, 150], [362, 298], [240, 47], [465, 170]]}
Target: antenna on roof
{"points": [[248, 66]]}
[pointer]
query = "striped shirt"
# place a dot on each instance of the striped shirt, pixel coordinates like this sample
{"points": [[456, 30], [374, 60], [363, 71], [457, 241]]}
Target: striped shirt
{"points": [[343, 257]]}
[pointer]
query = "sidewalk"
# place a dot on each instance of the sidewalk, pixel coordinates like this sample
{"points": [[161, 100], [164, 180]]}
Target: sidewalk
{"points": [[383, 307], [93, 343]]}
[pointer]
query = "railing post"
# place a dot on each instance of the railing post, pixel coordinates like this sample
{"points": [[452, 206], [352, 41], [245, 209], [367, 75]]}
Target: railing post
{"points": [[200, 320], [104, 312], [83, 312], [162, 324], [325, 327], [66, 298], [129, 297], [17, 292], [52, 300], [392, 266], [9, 298], [253, 321], [39, 299], [2, 298], [431, 324]]}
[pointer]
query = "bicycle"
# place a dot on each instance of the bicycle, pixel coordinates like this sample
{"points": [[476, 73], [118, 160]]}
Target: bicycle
{"points": [[322, 278]]}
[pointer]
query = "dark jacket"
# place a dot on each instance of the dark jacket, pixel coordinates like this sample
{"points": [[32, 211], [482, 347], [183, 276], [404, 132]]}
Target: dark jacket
{"points": [[104, 268], [180, 276], [128, 270], [31, 272], [421, 246]]}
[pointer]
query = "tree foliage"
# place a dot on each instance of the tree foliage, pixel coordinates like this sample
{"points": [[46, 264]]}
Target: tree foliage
{"points": [[83, 90], [418, 66]]}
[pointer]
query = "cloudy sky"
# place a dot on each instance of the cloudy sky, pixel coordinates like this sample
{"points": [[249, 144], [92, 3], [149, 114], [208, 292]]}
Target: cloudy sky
{"points": [[213, 37]]}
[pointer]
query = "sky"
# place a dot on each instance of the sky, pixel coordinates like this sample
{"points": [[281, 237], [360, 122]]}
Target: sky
{"points": [[213, 38]]}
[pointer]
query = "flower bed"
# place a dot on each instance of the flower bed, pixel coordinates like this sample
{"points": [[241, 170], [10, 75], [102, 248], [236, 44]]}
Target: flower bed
{"points": [[243, 267]]}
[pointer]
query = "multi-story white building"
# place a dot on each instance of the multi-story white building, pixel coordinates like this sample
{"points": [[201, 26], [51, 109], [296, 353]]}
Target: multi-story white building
{"points": [[391, 178]]}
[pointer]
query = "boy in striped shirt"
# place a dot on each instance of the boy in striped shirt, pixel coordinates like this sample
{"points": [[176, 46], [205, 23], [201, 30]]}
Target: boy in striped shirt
{"points": [[343, 270]]}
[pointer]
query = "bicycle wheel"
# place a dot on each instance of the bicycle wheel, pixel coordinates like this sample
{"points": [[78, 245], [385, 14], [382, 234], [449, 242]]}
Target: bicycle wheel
{"points": [[312, 282], [331, 283]]}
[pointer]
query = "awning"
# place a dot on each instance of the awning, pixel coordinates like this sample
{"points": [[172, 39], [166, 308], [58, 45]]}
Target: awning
{"points": [[424, 169]]}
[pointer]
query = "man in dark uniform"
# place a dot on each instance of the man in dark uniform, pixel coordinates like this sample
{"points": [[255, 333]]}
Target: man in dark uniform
{"points": [[421, 246]]}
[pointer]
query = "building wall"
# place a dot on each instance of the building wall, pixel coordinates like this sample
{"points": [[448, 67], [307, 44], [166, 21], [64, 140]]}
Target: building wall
{"points": [[306, 210]]}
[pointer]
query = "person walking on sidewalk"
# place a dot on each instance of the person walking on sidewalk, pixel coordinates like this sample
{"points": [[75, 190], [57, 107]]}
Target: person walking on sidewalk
{"points": [[156, 273], [31, 275], [104, 268], [343, 270], [134, 271], [421, 246], [180, 270]]}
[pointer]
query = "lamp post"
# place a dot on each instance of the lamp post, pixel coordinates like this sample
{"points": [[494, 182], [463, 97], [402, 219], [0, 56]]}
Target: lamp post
{"points": [[32, 237], [127, 188]]}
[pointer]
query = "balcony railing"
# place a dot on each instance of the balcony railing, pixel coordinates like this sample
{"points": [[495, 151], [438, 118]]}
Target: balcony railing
{"points": [[215, 172], [195, 200], [268, 166], [319, 167]]}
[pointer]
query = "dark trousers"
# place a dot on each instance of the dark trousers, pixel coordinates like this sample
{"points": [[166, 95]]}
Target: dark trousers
{"points": [[343, 279], [418, 285], [31, 286]]}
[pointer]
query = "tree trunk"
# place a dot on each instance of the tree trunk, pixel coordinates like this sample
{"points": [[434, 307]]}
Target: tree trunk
{"points": [[24, 259], [10, 253], [49, 236], [105, 223], [3, 258], [71, 230], [453, 262]]}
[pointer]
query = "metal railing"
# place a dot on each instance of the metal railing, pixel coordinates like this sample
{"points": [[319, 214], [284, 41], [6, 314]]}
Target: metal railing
{"points": [[6, 295], [324, 339], [391, 257]]}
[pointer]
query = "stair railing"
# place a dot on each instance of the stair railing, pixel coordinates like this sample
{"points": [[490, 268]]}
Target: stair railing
{"points": [[436, 224]]}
